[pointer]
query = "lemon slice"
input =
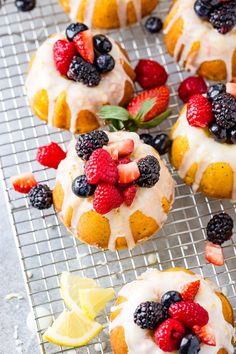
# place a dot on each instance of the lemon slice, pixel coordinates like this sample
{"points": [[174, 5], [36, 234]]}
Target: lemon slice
{"points": [[92, 301], [72, 329]]}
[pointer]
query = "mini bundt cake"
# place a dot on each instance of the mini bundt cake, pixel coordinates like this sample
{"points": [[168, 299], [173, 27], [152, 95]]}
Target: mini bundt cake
{"points": [[174, 311], [71, 78], [108, 13], [204, 137], [112, 191], [201, 36]]}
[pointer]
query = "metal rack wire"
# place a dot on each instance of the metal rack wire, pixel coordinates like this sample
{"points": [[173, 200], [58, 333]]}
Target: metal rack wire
{"points": [[44, 246]]}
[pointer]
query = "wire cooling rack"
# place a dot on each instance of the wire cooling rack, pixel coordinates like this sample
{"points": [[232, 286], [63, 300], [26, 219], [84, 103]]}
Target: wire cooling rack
{"points": [[45, 247]]}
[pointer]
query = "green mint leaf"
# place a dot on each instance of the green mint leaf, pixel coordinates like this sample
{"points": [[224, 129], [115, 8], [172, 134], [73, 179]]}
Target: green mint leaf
{"points": [[145, 108], [114, 112], [155, 121]]}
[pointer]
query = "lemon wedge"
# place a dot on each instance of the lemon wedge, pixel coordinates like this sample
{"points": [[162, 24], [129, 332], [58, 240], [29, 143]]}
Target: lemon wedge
{"points": [[92, 301], [72, 329]]}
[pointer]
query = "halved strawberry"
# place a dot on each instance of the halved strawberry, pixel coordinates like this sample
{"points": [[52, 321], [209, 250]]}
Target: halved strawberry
{"points": [[84, 44], [190, 290], [63, 52], [121, 148], [214, 254], [24, 182], [129, 194], [160, 94], [128, 172], [231, 88], [205, 335]]}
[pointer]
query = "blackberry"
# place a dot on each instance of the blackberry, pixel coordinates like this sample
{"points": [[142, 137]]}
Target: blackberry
{"points": [[82, 71], [89, 142], [25, 5], [81, 188], [102, 44], [190, 344], [220, 228], [170, 298], [162, 143], [149, 169], [105, 63], [224, 110], [223, 18], [232, 136], [149, 315], [147, 139], [215, 90], [202, 9], [219, 134], [40, 197], [73, 29], [154, 24]]}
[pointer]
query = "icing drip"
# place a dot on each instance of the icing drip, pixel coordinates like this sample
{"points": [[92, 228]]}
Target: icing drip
{"points": [[151, 286], [213, 45], [118, 219], [203, 150]]}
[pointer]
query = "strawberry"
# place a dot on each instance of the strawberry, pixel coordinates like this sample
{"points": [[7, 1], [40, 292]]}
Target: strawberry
{"points": [[214, 254], [190, 290], [205, 335], [199, 111], [128, 172], [63, 53], [121, 148], [123, 161], [50, 155], [84, 45], [106, 198], [193, 85], [129, 194], [150, 74], [231, 88], [189, 313], [101, 168], [24, 182], [169, 334], [160, 94]]}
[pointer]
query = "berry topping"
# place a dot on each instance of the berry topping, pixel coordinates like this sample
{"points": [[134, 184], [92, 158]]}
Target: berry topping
{"points": [[162, 143], [128, 172], [23, 182], [84, 45], [63, 53], [105, 63], [106, 198], [150, 74], [25, 5], [129, 194], [102, 44], [231, 88], [147, 139], [215, 90], [232, 135], [89, 142], [190, 344], [101, 168], [154, 24], [169, 334], [73, 29], [214, 254], [161, 96], [149, 315], [123, 160], [190, 290], [223, 18], [121, 148], [84, 72], [224, 110], [149, 169], [40, 197], [202, 9], [82, 188], [189, 313], [50, 155], [191, 86], [219, 134], [220, 228], [170, 298], [199, 111], [205, 335]]}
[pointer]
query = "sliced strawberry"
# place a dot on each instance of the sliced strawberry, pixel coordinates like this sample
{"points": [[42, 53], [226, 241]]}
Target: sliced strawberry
{"points": [[24, 182], [128, 173], [190, 290], [160, 94], [84, 44], [129, 194], [121, 148], [205, 335], [231, 88], [63, 53], [123, 161], [214, 254]]}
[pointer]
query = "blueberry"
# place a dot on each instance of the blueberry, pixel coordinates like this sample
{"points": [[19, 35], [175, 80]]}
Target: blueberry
{"points": [[102, 44], [170, 298], [202, 9], [190, 344], [25, 5], [215, 90], [73, 29], [147, 139], [81, 188], [105, 63], [220, 134], [162, 143], [232, 135], [154, 24]]}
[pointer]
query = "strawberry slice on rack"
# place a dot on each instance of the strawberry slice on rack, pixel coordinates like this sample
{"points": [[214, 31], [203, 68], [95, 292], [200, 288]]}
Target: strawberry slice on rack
{"points": [[214, 254], [190, 290], [84, 44], [128, 172], [23, 182], [205, 335]]}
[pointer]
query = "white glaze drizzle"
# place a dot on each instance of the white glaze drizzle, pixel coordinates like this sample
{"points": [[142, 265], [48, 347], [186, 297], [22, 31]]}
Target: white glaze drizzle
{"points": [[203, 150], [150, 287], [148, 201], [44, 75], [213, 45]]}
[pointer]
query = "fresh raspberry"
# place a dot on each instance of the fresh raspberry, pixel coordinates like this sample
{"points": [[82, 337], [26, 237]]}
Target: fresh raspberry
{"points": [[193, 85], [190, 290], [189, 313], [160, 94], [150, 74], [50, 155], [205, 335], [63, 53], [24, 183], [129, 194], [199, 111], [123, 161], [169, 334], [84, 45], [101, 168], [106, 198]]}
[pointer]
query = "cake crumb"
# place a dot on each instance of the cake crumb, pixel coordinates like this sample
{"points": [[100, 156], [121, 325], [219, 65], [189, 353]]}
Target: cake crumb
{"points": [[152, 259]]}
